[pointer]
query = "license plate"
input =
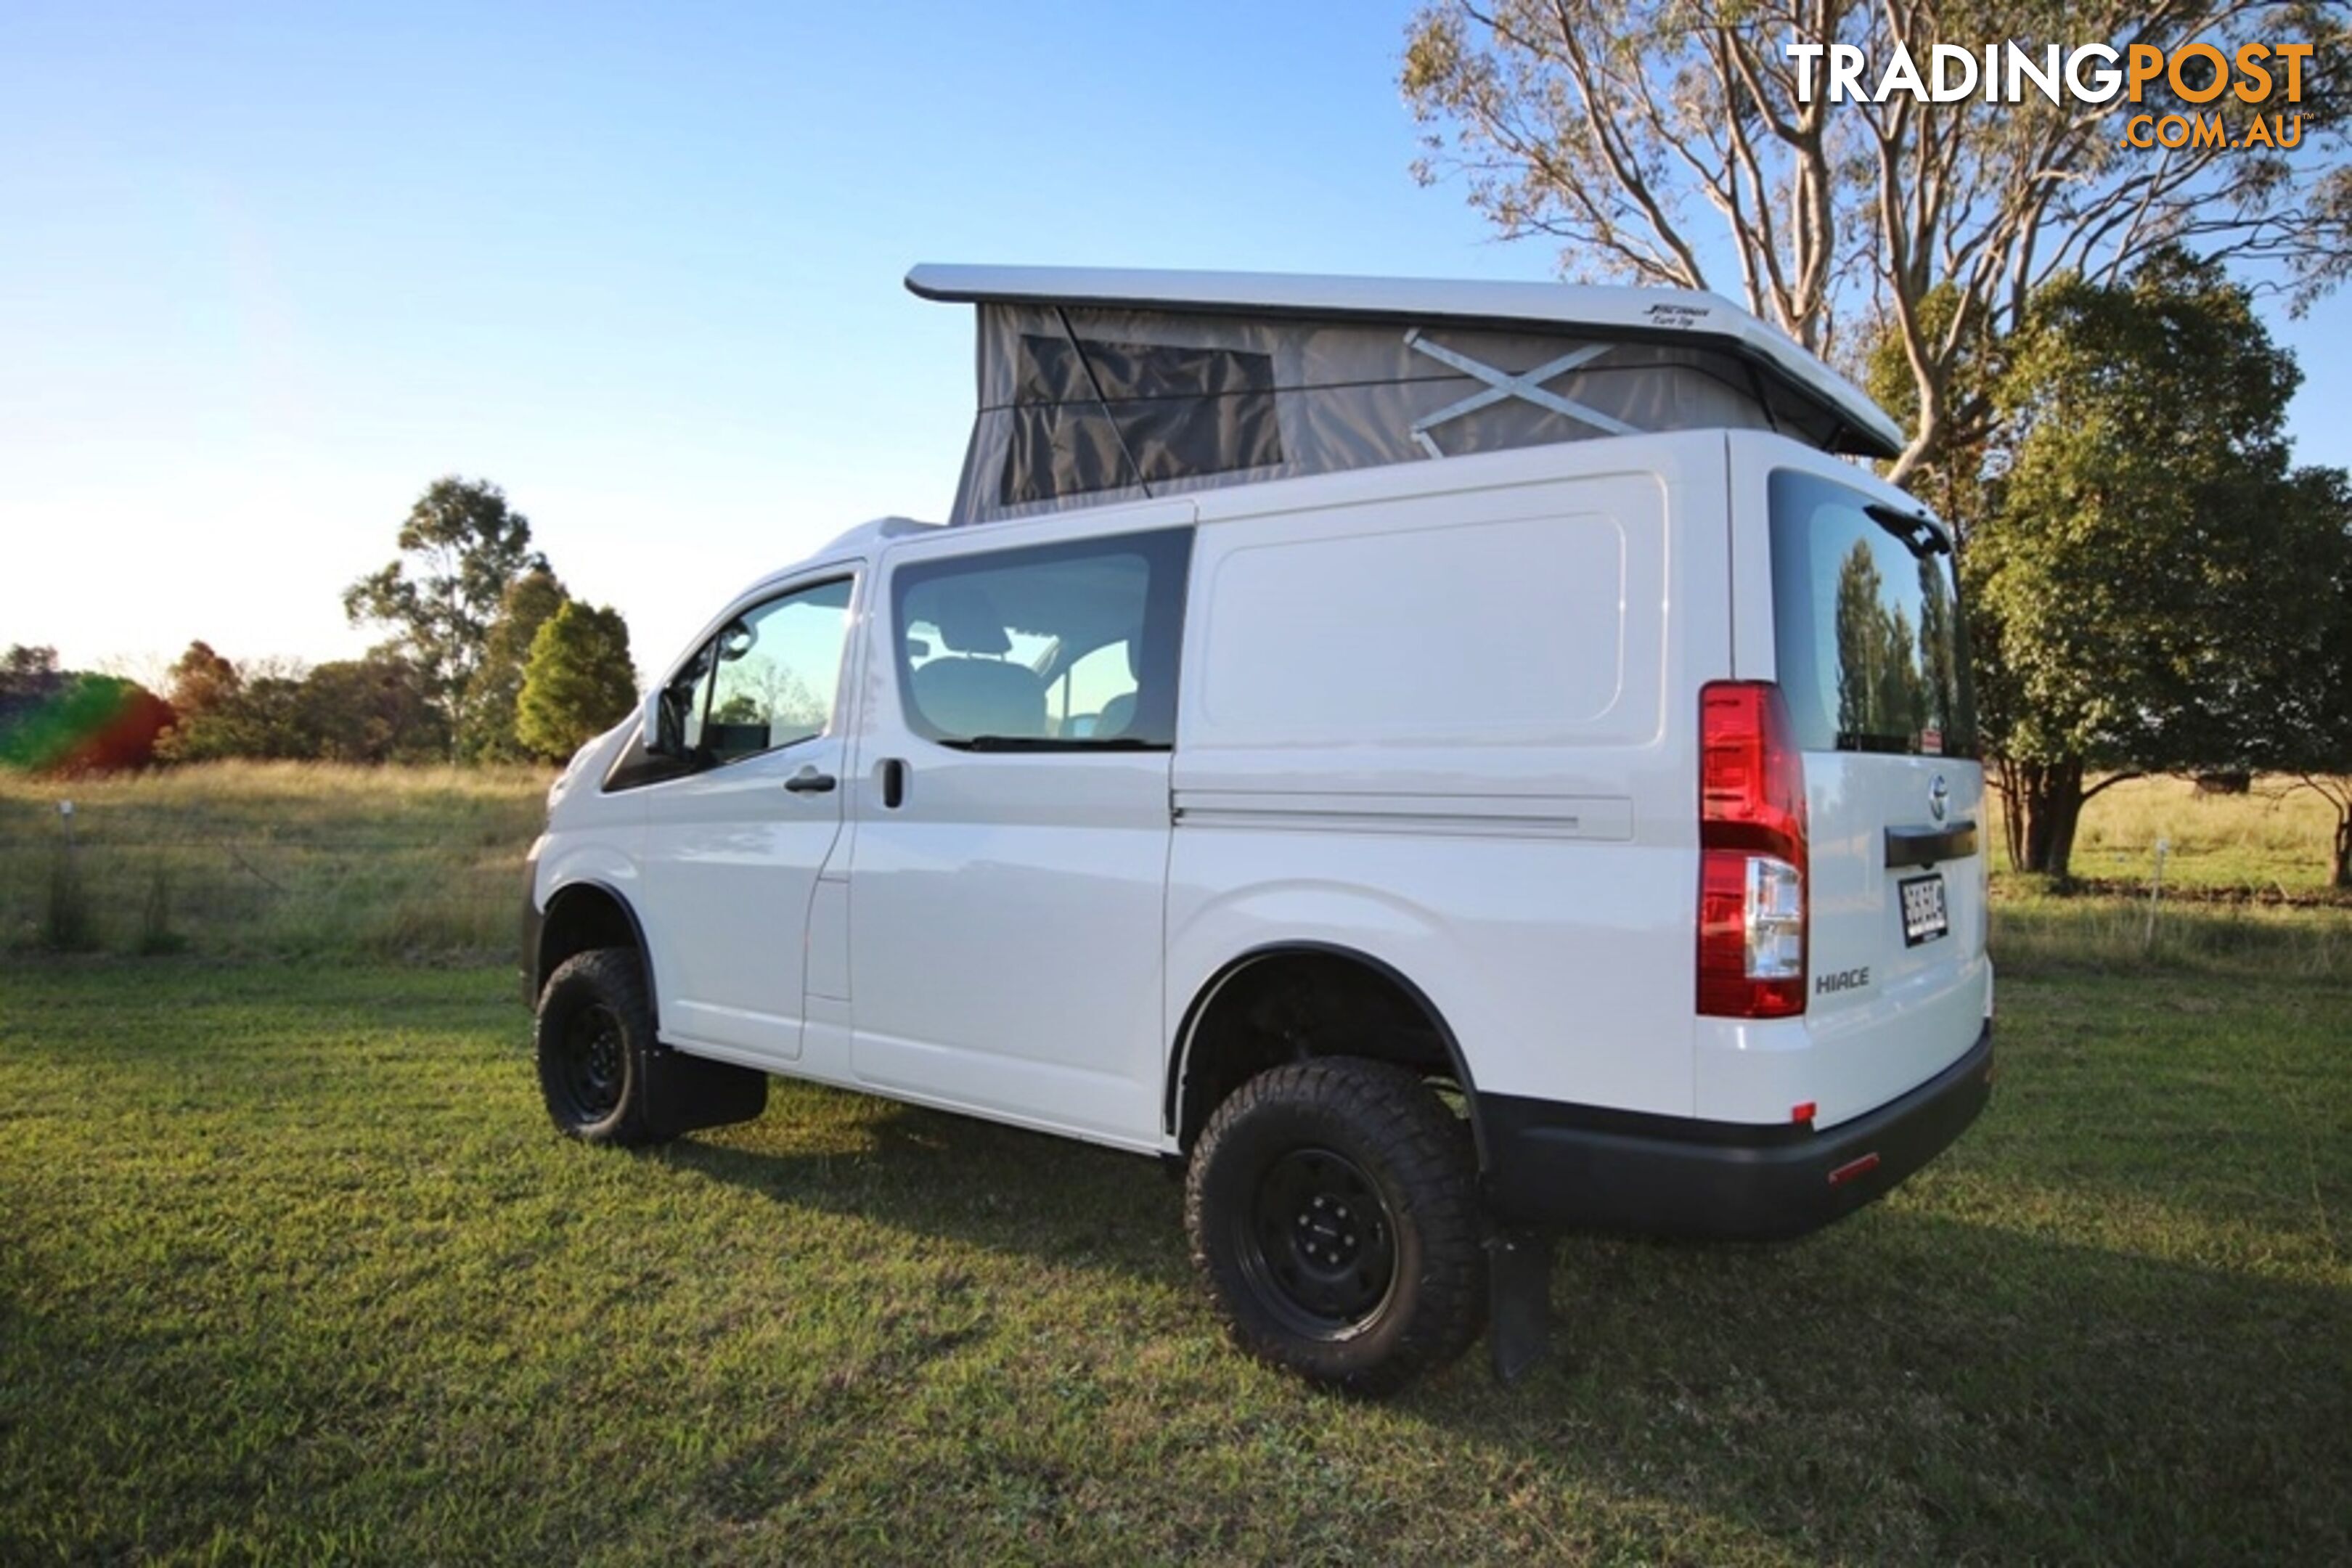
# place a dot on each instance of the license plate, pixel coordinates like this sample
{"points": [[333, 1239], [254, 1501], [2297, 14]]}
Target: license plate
{"points": [[1923, 917]]}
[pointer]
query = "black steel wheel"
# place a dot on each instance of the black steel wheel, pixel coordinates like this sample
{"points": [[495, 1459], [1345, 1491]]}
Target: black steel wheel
{"points": [[590, 1067], [1333, 1212], [1319, 1244]]}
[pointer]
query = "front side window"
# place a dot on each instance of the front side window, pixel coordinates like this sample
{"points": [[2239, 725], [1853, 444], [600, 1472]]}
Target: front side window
{"points": [[1866, 625], [766, 680], [1059, 647], [774, 673]]}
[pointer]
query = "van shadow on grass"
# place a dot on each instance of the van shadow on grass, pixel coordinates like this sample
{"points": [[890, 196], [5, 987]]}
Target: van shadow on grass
{"points": [[1908, 1383], [981, 1183]]}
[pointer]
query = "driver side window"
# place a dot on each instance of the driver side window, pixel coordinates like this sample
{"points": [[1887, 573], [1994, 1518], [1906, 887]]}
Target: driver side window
{"points": [[767, 680]]}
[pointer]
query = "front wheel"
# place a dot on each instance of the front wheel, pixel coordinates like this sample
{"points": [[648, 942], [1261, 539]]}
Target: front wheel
{"points": [[594, 1045], [1333, 1214]]}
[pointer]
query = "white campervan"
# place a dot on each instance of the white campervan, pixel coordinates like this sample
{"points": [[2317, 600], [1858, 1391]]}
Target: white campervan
{"points": [[1448, 760]]}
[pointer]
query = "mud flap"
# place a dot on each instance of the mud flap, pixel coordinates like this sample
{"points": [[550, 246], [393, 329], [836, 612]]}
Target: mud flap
{"points": [[1518, 1301], [692, 1092]]}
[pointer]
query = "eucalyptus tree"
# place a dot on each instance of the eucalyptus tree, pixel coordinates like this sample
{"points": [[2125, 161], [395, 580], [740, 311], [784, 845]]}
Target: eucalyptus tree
{"points": [[1676, 142], [461, 548]]}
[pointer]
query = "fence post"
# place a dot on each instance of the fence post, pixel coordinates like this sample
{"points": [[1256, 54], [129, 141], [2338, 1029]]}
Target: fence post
{"points": [[2155, 892], [67, 929]]}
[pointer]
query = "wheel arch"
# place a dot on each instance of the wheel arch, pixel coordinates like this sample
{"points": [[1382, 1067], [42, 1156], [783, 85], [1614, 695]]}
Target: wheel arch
{"points": [[1185, 1106], [584, 914]]}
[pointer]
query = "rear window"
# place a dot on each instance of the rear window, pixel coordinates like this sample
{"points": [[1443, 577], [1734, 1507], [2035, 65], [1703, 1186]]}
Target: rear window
{"points": [[1866, 625]]}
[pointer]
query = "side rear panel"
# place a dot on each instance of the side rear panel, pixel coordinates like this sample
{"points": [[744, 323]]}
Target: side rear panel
{"points": [[1453, 730]]}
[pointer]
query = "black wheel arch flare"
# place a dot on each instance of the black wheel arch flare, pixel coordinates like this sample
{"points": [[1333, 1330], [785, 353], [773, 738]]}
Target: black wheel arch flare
{"points": [[1187, 1032], [551, 925]]}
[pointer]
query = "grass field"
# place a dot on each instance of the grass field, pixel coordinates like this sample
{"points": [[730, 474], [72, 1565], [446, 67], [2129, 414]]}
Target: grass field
{"points": [[272, 859], [295, 1269]]}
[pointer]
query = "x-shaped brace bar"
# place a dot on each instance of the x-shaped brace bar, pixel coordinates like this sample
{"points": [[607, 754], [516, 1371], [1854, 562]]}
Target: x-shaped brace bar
{"points": [[1500, 385]]}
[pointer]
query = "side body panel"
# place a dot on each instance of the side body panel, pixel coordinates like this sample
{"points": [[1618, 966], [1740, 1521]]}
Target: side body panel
{"points": [[1446, 721]]}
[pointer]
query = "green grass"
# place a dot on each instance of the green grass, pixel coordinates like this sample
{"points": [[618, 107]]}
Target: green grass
{"points": [[295, 1269], [2035, 933]]}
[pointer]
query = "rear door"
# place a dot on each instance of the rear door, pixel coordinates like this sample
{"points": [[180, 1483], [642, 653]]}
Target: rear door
{"points": [[1852, 587]]}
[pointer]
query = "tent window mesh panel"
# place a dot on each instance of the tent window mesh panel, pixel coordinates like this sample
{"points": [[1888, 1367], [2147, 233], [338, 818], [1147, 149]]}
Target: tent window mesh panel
{"points": [[1177, 412]]}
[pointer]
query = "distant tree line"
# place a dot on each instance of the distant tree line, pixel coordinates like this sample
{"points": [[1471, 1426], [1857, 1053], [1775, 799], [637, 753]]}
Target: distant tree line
{"points": [[490, 659]]}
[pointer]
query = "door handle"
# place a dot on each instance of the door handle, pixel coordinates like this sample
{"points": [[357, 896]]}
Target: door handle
{"points": [[1926, 846], [808, 780], [894, 782]]}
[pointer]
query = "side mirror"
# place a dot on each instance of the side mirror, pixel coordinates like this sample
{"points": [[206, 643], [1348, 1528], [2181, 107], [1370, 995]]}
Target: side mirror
{"points": [[649, 726]]}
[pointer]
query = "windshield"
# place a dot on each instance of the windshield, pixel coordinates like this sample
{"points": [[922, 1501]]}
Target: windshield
{"points": [[1866, 625]]}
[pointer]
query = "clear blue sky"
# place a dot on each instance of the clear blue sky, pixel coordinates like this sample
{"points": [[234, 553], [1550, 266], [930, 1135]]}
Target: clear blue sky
{"points": [[266, 272]]}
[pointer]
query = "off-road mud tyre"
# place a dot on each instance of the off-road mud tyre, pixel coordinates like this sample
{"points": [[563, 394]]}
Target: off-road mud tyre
{"points": [[596, 1049], [1333, 1212]]}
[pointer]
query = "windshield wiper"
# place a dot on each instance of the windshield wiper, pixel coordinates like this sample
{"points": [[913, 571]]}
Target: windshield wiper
{"points": [[1055, 743], [1920, 533]]}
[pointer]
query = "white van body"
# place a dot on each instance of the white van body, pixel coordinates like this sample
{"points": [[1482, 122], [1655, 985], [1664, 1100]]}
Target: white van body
{"points": [[1435, 724]]}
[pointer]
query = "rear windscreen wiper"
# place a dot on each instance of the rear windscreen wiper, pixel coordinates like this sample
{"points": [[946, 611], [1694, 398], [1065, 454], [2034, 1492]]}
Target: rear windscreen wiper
{"points": [[1920, 532]]}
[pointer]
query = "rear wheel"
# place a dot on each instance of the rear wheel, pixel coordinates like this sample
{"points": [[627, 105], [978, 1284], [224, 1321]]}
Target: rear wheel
{"points": [[1333, 1214], [594, 1045]]}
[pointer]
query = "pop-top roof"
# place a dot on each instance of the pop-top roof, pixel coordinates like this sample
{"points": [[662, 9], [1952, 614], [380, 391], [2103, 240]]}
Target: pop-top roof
{"points": [[1099, 384]]}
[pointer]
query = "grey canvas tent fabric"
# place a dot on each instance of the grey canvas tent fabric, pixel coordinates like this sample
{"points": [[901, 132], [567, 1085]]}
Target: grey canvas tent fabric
{"points": [[1084, 405]]}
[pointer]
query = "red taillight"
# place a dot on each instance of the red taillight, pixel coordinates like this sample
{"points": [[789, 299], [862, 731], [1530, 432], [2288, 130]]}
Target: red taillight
{"points": [[1753, 901]]}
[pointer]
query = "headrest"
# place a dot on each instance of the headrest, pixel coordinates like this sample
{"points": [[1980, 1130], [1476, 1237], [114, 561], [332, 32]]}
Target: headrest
{"points": [[966, 696], [968, 622]]}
